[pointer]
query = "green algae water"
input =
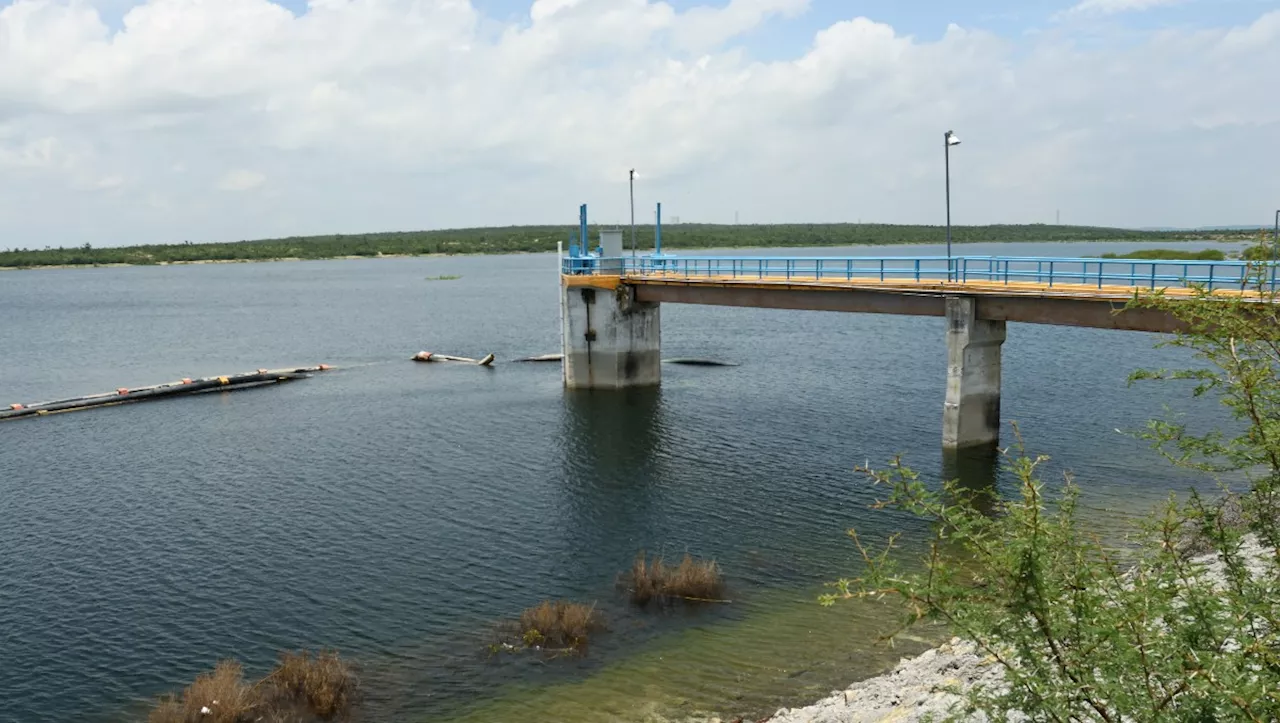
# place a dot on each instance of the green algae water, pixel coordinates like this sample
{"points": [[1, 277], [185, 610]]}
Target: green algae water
{"points": [[399, 511], [789, 650]]}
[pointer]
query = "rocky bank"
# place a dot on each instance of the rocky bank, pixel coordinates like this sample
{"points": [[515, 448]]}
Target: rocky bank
{"points": [[913, 691]]}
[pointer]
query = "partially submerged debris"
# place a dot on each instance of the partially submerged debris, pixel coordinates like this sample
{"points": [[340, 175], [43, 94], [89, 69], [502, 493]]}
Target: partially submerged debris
{"points": [[699, 362], [426, 356], [125, 395]]}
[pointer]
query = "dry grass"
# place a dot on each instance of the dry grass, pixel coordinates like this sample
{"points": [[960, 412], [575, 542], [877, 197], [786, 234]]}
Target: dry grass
{"points": [[223, 692], [692, 580], [559, 624], [323, 683], [301, 688]]}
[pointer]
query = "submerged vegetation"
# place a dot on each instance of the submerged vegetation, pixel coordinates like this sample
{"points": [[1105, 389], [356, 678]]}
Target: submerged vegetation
{"points": [[513, 239], [1189, 629], [302, 687], [559, 624], [553, 627], [655, 581]]}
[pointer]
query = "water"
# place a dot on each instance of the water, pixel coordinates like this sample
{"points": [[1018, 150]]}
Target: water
{"points": [[396, 511]]}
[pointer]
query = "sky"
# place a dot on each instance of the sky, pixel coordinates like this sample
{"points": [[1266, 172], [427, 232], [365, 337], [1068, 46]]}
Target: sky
{"points": [[155, 121]]}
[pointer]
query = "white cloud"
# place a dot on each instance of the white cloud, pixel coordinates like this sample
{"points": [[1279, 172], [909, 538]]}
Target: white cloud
{"points": [[240, 180], [707, 27], [108, 183], [381, 114], [1113, 7], [46, 153]]}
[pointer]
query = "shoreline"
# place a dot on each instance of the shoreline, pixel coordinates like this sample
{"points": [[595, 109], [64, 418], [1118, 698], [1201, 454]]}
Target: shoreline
{"points": [[917, 689], [925, 687], [351, 257], [200, 262]]}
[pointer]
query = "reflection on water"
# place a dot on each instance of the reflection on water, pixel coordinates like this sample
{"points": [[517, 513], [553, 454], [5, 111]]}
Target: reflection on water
{"points": [[975, 470], [612, 442], [612, 437]]}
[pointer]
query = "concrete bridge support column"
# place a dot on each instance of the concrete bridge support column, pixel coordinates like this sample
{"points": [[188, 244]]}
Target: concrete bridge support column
{"points": [[971, 414], [611, 341]]}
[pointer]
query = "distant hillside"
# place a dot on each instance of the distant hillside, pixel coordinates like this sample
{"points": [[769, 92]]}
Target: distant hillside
{"points": [[515, 239], [1201, 229]]}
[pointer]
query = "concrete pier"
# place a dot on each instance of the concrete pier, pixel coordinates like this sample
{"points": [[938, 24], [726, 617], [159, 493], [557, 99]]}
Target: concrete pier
{"points": [[611, 340], [971, 413]]}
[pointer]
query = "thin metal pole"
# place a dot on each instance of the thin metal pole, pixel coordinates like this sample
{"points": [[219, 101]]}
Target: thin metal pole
{"points": [[1275, 237], [657, 230], [560, 290], [1275, 248], [946, 146], [633, 212]]}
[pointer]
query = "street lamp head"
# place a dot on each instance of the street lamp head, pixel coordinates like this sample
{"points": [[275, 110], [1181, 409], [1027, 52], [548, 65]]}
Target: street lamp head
{"points": [[952, 140]]}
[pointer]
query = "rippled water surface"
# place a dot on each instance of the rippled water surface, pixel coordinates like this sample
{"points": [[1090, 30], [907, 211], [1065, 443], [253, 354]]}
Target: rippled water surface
{"points": [[396, 511]]}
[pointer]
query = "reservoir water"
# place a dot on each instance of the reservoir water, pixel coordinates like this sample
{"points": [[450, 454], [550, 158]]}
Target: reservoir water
{"points": [[396, 511]]}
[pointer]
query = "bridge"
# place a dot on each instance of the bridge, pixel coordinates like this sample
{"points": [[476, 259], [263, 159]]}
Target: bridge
{"points": [[611, 321]]}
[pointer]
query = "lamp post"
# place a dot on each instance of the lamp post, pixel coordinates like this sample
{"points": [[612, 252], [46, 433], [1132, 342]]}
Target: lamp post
{"points": [[633, 212], [949, 139], [1275, 237], [1275, 250]]}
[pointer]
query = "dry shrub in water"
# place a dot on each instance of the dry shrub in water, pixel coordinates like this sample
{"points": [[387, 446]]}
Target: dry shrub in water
{"points": [[559, 624], [300, 688], [692, 580], [646, 579], [223, 692], [696, 580], [324, 683]]}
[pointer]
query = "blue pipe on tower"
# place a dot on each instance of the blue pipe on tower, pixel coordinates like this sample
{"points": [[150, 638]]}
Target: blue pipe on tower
{"points": [[657, 233]]}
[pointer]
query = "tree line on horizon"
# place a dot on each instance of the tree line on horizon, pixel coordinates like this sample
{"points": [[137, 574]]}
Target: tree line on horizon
{"points": [[528, 239]]}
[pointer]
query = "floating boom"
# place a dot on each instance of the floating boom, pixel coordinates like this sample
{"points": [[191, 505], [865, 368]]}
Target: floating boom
{"points": [[181, 387]]}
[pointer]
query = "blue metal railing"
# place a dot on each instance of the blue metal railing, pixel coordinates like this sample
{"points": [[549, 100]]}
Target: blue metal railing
{"points": [[998, 269]]}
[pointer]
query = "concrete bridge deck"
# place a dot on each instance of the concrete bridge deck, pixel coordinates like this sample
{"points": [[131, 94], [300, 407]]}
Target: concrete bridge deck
{"points": [[1024, 301], [611, 311]]}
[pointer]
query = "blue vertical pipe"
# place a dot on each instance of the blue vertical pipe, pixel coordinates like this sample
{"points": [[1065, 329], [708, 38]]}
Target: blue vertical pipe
{"points": [[657, 233], [582, 230]]}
